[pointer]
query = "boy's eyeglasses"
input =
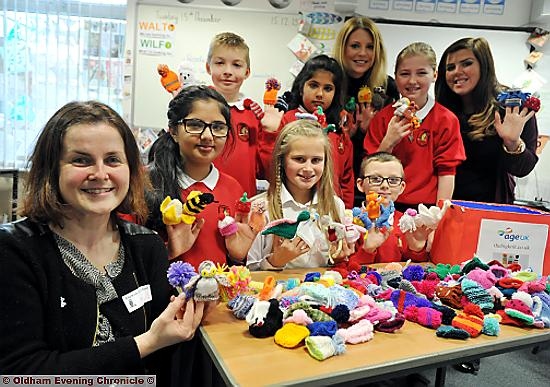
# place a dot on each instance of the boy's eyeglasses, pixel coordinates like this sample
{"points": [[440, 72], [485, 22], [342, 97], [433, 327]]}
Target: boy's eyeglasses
{"points": [[378, 180], [196, 126]]}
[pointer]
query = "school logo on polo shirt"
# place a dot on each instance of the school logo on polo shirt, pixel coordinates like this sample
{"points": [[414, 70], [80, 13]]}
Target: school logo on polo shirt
{"points": [[242, 132]]}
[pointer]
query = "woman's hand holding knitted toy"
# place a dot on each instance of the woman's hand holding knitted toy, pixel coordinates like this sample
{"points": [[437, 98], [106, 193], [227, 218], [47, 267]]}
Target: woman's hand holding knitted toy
{"points": [[511, 127], [177, 323]]}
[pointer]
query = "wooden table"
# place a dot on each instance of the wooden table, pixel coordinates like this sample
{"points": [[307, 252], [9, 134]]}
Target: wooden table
{"points": [[244, 360]]}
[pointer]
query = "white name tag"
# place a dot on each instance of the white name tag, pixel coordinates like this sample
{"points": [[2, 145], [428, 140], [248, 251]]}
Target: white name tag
{"points": [[137, 298]]}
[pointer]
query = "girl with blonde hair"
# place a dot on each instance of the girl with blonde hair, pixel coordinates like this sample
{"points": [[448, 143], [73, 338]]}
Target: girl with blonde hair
{"points": [[301, 179]]}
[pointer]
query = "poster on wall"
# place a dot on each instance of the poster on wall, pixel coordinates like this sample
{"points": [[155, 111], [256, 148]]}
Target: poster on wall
{"points": [[403, 5], [425, 5], [470, 6], [493, 7], [379, 4], [447, 6], [155, 37], [513, 242]]}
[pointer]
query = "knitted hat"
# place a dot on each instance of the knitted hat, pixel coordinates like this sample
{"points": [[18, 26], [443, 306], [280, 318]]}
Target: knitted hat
{"points": [[377, 315], [513, 267], [472, 264], [485, 278], [407, 286], [402, 299], [519, 310], [241, 305], [449, 332], [391, 325], [447, 314], [361, 332], [508, 320], [525, 275], [390, 278], [509, 283], [450, 295], [477, 294], [323, 347], [541, 308], [314, 314], [470, 319], [535, 286], [264, 318], [322, 328], [498, 271], [427, 317], [291, 335]]}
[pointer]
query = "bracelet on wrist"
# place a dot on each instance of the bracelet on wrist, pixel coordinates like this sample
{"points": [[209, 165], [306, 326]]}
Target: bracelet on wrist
{"points": [[520, 148]]}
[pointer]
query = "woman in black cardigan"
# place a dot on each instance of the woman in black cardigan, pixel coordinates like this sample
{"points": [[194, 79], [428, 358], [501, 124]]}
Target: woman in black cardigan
{"points": [[81, 291]]}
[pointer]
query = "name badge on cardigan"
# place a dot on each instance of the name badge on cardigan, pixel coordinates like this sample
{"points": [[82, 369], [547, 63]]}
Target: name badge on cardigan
{"points": [[137, 298]]}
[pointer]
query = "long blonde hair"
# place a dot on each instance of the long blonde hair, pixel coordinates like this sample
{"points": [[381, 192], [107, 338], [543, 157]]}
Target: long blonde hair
{"points": [[378, 76], [325, 191]]}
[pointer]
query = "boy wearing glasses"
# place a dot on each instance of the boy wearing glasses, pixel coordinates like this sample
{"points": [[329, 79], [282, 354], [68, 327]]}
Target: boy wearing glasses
{"points": [[228, 63], [383, 173]]}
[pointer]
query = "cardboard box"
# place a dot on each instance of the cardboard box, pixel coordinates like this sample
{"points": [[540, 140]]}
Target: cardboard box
{"points": [[507, 233]]}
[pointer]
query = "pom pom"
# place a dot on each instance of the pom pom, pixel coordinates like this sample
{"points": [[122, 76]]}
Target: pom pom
{"points": [[179, 273], [413, 273], [340, 314], [491, 326]]}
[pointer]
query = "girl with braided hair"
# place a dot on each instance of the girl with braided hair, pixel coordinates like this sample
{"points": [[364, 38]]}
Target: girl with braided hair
{"points": [[300, 180]]}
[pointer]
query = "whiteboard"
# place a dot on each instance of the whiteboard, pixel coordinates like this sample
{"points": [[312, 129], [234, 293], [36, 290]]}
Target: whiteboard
{"points": [[266, 34], [509, 48]]}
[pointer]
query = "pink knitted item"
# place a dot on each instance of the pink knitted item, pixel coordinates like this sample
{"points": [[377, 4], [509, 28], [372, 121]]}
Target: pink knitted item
{"points": [[534, 286], [377, 315], [425, 316], [361, 332], [482, 277]]}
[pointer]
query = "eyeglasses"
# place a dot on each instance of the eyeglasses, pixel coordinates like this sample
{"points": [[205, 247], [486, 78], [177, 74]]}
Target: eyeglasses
{"points": [[196, 126], [378, 180]]}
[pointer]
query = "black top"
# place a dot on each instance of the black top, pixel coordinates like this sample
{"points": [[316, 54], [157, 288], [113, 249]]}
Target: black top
{"points": [[487, 173], [49, 316]]}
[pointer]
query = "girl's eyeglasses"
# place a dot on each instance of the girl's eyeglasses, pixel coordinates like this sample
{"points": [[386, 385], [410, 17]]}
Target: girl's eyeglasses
{"points": [[197, 126], [378, 180]]}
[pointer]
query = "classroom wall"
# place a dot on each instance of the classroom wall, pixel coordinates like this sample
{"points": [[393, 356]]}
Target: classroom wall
{"points": [[509, 49]]}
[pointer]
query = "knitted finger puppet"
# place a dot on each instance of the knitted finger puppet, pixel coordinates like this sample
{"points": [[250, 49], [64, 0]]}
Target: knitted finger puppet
{"points": [[174, 212], [323, 347], [168, 78], [407, 222], [361, 218], [430, 217], [352, 231], [335, 234], [285, 228], [179, 274], [242, 206], [257, 218], [186, 75], [238, 278], [312, 233], [283, 101], [515, 97], [385, 220], [264, 318], [364, 95], [379, 98], [291, 335], [373, 205], [226, 223], [249, 104], [205, 285], [406, 108], [272, 87], [347, 119]]}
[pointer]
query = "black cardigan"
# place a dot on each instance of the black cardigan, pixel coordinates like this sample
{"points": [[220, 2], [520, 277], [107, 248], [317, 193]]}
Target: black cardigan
{"points": [[49, 316]]}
